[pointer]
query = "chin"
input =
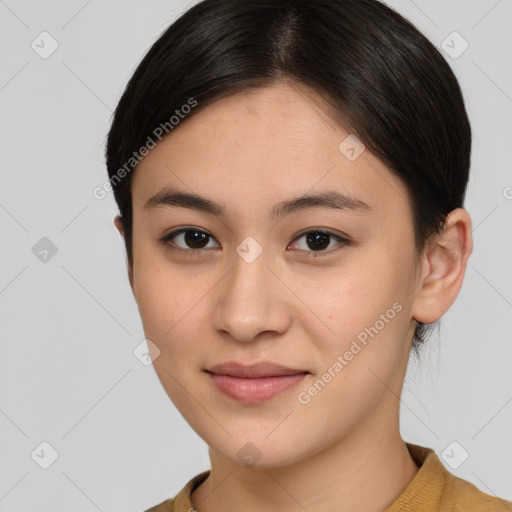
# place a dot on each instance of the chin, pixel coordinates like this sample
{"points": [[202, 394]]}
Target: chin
{"points": [[260, 451]]}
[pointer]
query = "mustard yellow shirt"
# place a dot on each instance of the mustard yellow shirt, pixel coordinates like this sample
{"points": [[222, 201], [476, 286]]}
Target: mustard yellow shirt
{"points": [[433, 489]]}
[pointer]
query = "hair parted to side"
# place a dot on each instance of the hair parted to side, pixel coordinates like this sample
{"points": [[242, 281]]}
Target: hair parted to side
{"points": [[383, 80]]}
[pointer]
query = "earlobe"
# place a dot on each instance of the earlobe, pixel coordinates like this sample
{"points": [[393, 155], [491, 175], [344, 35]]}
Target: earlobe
{"points": [[444, 267], [119, 224]]}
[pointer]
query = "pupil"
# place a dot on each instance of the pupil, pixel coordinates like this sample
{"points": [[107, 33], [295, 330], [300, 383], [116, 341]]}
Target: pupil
{"points": [[320, 240], [195, 241]]}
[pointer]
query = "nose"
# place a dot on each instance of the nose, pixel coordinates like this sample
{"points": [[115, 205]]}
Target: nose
{"points": [[251, 300]]}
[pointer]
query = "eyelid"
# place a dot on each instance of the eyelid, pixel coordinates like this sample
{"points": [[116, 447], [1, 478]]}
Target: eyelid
{"points": [[166, 239], [342, 239], [326, 231]]}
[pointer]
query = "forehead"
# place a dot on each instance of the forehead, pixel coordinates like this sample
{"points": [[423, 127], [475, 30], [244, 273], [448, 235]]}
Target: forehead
{"points": [[273, 142], [291, 118]]}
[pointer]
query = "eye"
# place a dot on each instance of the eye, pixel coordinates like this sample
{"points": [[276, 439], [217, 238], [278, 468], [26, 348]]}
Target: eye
{"points": [[190, 238], [318, 241], [194, 240]]}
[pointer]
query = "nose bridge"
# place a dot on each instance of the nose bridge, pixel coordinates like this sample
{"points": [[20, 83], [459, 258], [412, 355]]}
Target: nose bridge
{"points": [[248, 302]]}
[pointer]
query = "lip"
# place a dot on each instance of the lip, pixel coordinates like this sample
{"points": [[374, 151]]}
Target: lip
{"points": [[254, 383], [253, 371]]}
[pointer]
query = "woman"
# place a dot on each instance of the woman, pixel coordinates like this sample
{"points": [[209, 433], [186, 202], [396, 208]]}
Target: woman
{"points": [[291, 176]]}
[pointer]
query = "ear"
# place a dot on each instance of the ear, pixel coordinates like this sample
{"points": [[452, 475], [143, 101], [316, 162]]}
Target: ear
{"points": [[443, 267], [118, 222]]}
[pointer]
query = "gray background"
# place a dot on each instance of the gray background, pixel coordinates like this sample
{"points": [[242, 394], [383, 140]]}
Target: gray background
{"points": [[69, 324]]}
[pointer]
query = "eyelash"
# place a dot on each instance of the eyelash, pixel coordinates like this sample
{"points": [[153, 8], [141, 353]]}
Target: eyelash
{"points": [[166, 241]]}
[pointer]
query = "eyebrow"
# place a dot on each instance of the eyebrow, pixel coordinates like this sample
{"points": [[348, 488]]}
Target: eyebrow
{"points": [[328, 200]]}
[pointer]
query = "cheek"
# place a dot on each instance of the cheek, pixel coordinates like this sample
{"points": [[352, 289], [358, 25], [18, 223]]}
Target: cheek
{"points": [[352, 299], [359, 358], [172, 302], [162, 297], [367, 311]]}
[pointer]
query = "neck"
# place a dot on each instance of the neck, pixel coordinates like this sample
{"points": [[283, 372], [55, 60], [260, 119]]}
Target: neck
{"points": [[366, 470]]}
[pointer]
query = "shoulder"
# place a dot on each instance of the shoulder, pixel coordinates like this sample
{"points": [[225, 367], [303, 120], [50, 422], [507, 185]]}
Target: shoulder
{"points": [[434, 488], [166, 506], [182, 501], [461, 496]]}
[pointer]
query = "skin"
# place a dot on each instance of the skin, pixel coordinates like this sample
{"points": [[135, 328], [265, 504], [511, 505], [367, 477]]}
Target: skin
{"points": [[292, 305]]}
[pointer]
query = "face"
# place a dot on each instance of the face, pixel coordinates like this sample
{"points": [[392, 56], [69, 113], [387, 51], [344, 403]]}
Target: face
{"points": [[321, 286]]}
